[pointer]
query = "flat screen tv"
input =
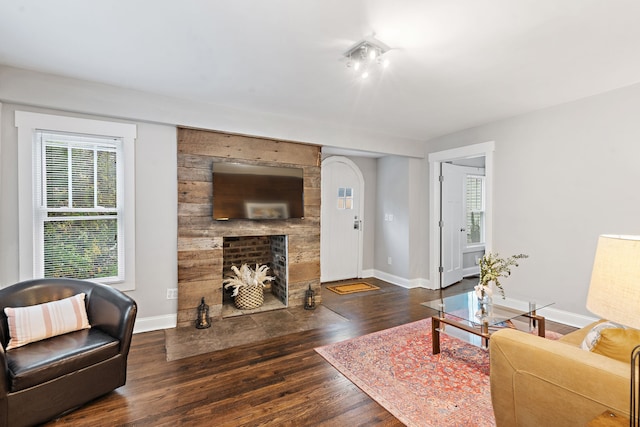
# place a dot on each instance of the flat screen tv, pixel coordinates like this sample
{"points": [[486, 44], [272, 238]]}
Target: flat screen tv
{"points": [[242, 191]]}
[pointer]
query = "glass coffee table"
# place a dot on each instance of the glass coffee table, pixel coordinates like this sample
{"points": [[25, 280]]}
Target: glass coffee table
{"points": [[464, 312]]}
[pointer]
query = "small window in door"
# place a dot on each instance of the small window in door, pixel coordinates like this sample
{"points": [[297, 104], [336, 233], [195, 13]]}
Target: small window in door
{"points": [[345, 198], [475, 209]]}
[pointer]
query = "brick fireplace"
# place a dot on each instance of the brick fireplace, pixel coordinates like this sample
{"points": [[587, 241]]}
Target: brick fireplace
{"points": [[202, 240], [258, 250]]}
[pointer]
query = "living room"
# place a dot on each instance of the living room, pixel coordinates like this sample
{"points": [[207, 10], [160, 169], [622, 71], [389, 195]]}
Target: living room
{"points": [[564, 129]]}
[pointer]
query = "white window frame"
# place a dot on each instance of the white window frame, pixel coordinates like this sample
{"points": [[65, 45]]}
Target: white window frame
{"points": [[28, 124]]}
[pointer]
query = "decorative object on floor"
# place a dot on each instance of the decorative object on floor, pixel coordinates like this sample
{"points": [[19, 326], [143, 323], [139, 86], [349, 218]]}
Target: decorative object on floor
{"points": [[203, 321], [240, 330], [395, 368], [309, 299], [248, 285], [352, 288], [492, 268], [614, 293]]}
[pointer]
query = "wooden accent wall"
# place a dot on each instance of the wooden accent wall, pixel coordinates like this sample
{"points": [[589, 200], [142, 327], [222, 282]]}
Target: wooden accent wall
{"points": [[200, 237]]}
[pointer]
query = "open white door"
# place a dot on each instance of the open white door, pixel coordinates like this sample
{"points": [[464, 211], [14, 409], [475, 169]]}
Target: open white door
{"points": [[453, 230], [341, 220], [436, 239]]}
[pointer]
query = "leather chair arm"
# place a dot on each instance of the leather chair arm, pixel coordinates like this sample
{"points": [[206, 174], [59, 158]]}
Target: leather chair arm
{"points": [[113, 312], [4, 380]]}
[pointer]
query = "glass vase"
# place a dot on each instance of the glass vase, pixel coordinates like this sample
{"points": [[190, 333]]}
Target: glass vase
{"points": [[485, 303]]}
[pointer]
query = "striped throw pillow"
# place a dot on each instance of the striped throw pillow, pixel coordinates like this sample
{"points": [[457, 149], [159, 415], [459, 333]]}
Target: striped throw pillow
{"points": [[38, 322]]}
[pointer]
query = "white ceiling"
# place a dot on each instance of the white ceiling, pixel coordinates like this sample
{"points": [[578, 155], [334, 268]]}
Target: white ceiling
{"points": [[454, 63]]}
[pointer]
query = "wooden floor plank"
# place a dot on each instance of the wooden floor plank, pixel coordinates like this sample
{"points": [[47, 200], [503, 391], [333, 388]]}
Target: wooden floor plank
{"points": [[281, 381]]}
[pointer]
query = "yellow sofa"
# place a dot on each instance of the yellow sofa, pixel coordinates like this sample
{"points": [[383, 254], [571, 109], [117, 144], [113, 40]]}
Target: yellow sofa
{"points": [[541, 382]]}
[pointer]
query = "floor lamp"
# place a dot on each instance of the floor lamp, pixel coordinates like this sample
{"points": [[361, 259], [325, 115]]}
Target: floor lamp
{"points": [[614, 294]]}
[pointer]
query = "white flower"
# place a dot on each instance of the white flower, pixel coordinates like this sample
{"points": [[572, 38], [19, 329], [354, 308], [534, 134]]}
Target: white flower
{"points": [[492, 268], [245, 276]]}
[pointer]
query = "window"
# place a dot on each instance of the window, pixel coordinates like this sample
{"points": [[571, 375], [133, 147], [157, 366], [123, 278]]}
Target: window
{"points": [[76, 183], [475, 209], [345, 198], [77, 210]]}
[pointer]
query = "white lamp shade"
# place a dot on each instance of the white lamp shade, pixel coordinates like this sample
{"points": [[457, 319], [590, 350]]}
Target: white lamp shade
{"points": [[614, 292]]}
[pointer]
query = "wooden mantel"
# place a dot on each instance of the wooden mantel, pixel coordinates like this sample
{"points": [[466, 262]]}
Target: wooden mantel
{"points": [[200, 237]]}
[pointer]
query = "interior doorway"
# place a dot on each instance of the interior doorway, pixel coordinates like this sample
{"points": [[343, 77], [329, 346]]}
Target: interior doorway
{"points": [[342, 217], [462, 218], [443, 240]]}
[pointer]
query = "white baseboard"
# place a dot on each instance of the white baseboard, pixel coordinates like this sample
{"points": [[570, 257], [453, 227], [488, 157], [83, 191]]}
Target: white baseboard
{"points": [[421, 283], [568, 318], [368, 273], [428, 284], [401, 281], [551, 313], [155, 323], [396, 280]]}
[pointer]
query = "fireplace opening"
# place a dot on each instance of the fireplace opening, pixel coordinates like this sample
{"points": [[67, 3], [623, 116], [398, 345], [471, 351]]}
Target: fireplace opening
{"points": [[261, 250]]}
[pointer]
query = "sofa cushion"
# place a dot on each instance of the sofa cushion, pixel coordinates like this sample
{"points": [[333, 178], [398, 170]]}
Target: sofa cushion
{"points": [[41, 321], [576, 337], [617, 343], [54, 357], [594, 334]]}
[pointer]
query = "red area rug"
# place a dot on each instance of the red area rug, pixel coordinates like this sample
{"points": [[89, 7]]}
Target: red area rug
{"points": [[395, 368]]}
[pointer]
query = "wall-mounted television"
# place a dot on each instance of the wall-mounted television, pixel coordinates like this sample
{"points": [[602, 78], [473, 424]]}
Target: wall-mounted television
{"points": [[243, 191]]}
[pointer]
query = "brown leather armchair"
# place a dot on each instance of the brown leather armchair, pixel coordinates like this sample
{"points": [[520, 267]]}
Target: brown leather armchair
{"points": [[44, 379]]}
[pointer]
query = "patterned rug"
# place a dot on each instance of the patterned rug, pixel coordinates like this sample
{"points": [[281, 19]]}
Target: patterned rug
{"points": [[395, 367]]}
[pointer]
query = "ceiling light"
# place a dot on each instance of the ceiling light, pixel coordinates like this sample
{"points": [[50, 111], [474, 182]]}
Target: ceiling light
{"points": [[367, 55]]}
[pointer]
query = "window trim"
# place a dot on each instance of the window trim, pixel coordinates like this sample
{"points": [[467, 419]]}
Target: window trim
{"points": [[28, 123]]}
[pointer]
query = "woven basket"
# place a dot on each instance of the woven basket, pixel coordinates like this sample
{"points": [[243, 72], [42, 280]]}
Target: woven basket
{"points": [[249, 297]]}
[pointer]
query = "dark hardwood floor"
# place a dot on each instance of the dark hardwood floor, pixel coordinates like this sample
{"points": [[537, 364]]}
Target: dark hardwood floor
{"points": [[281, 381]]}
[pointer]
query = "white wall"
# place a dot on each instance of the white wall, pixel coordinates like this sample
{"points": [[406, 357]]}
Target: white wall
{"points": [[392, 220], [402, 222], [156, 213], [563, 176], [418, 223]]}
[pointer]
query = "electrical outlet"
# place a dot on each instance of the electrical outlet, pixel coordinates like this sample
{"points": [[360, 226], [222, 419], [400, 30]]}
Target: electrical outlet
{"points": [[389, 261], [172, 293]]}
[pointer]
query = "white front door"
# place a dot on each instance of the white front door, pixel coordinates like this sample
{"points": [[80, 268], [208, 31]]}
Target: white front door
{"points": [[341, 220], [453, 230]]}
